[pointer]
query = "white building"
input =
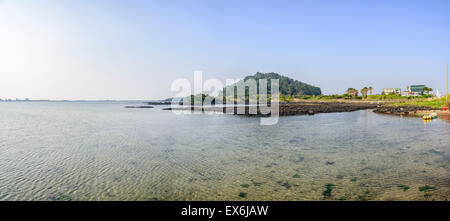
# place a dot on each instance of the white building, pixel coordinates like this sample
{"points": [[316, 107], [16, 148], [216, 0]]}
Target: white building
{"points": [[391, 91]]}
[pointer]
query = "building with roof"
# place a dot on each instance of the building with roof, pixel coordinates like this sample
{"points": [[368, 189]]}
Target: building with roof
{"points": [[414, 90], [391, 91]]}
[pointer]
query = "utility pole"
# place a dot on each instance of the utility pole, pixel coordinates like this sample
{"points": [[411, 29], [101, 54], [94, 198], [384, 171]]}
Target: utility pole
{"points": [[446, 90]]}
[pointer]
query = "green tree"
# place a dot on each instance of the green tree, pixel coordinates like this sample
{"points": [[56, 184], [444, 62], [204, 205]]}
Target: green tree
{"points": [[427, 90], [364, 91], [352, 92]]}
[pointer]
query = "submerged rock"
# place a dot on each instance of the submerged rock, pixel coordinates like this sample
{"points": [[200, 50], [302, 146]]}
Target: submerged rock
{"points": [[300, 159], [138, 106], [285, 184], [159, 103]]}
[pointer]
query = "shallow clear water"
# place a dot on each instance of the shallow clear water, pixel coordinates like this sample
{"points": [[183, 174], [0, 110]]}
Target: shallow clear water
{"points": [[103, 151]]}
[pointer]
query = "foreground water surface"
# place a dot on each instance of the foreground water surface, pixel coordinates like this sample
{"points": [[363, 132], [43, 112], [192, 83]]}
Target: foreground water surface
{"points": [[103, 151]]}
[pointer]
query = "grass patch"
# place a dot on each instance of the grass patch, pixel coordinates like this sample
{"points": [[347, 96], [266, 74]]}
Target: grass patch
{"points": [[242, 194], [328, 188], [378, 97], [426, 188], [296, 176], [353, 179], [435, 103], [62, 197], [362, 198], [404, 187]]}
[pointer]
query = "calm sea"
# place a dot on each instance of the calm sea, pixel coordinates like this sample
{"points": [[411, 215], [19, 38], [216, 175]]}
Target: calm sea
{"points": [[103, 151]]}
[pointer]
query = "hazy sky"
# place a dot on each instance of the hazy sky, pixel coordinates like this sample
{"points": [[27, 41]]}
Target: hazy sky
{"points": [[135, 49]]}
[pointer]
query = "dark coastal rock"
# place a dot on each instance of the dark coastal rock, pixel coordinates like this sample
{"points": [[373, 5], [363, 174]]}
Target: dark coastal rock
{"points": [[401, 110], [138, 106], [288, 109], [159, 103], [285, 184], [311, 108]]}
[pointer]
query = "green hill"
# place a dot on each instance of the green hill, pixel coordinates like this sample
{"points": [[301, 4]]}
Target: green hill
{"points": [[288, 86]]}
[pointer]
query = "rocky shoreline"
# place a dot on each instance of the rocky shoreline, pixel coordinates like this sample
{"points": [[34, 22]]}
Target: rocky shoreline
{"points": [[315, 107], [289, 109], [413, 111], [310, 108], [402, 110]]}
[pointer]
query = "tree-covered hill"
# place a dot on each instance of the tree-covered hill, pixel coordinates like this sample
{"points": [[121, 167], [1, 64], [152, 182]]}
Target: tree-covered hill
{"points": [[288, 86]]}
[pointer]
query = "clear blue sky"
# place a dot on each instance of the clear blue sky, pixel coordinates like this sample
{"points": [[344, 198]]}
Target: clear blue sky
{"points": [[135, 49]]}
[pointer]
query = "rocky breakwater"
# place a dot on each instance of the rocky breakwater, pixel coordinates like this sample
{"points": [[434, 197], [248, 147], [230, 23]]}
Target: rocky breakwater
{"points": [[402, 110]]}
